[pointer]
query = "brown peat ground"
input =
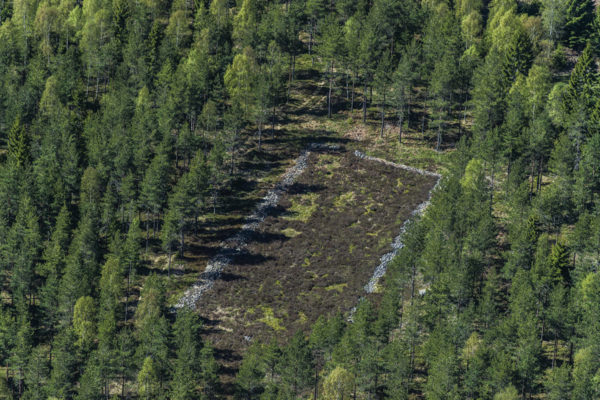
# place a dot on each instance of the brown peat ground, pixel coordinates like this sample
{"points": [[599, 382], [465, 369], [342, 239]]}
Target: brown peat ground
{"points": [[314, 253]]}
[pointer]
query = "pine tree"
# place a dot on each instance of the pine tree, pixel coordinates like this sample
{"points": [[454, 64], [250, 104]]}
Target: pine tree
{"points": [[187, 366], [396, 365], [330, 48], [148, 380], [152, 330], [153, 191], [579, 18], [18, 144], [111, 293], [517, 58], [131, 257], [249, 379], [21, 352], [124, 358], [296, 364], [81, 269], [64, 364], [37, 374], [558, 383], [560, 259], [90, 382], [22, 253], [170, 234], [209, 377]]}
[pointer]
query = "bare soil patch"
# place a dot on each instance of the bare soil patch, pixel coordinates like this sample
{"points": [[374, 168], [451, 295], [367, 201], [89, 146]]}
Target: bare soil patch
{"points": [[315, 251]]}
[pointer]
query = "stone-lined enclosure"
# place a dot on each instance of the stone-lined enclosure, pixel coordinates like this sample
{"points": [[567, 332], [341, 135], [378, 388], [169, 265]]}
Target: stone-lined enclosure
{"points": [[310, 247]]}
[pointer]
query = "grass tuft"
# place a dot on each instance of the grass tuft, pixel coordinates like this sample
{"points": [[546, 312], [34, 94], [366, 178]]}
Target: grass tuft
{"points": [[344, 200], [290, 232], [339, 287], [270, 320], [303, 207]]}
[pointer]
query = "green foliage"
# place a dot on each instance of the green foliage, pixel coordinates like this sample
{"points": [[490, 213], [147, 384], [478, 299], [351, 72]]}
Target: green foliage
{"points": [[296, 365], [188, 367], [148, 380], [123, 122], [338, 384], [18, 144], [252, 370], [84, 315], [579, 17], [152, 330]]}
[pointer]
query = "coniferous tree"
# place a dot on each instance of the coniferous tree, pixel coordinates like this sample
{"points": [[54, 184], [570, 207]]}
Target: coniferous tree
{"points": [[65, 360], [186, 371], [296, 365], [579, 18], [18, 144], [152, 331], [209, 372]]}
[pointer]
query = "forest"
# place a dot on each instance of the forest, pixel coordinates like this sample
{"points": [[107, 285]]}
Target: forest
{"points": [[135, 135]]}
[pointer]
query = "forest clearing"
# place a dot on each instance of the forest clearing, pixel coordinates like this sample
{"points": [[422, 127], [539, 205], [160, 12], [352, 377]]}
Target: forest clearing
{"points": [[315, 251]]}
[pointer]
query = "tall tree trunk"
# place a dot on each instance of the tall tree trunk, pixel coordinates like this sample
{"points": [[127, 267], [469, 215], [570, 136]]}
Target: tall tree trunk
{"points": [[439, 137], [329, 93], [555, 349], [259, 136], [181, 242], [532, 173], [412, 283], [169, 262], [147, 229], [87, 84], [492, 185], [316, 381], [289, 88], [232, 161], [347, 86], [365, 104], [540, 169], [400, 123], [352, 101], [154, 226], [383, 114], [127, 292], [508, 167], [577, 153], [273, 123], [408, 110]]}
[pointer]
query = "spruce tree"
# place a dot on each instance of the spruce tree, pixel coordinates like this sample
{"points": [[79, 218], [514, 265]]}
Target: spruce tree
{"points": [[18, 144], [187, 366], [580, 93], [579, 18], [209, 370]]}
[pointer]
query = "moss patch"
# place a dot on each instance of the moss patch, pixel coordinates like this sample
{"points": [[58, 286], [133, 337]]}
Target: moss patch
{"points": [[344, 200], [302, 318], [270, 320], [302, 207], [290, 232], [338, 288]]}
